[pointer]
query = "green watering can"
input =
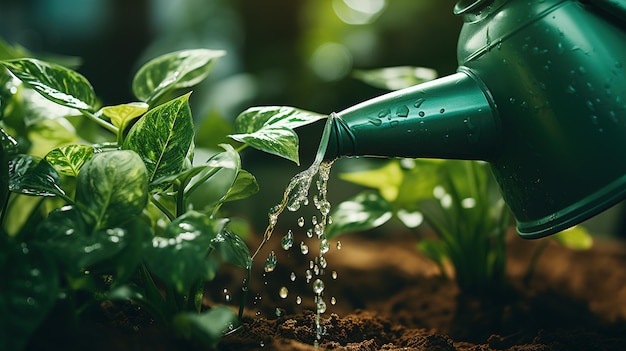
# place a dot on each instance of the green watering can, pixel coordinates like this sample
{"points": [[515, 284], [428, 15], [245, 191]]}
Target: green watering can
{"points": [[540, 94]]}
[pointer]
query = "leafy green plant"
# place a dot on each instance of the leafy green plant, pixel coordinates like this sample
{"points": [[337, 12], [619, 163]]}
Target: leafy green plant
{"points": [[109, 203], [458, 199]]}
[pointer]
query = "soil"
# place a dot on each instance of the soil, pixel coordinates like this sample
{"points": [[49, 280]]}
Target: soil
{"points": [[390, 297]]}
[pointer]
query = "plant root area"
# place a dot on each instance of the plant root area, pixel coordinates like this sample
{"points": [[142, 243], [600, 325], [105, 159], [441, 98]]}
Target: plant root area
{"points": [[391, 297]]}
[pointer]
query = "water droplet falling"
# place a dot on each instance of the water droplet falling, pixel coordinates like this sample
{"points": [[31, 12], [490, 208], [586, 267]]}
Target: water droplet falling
{"points": [[287, 241], [270, 262], [338, 245], [283, 292], [304, 248], [298, 300], [318, 286], [324, 246], [301, 222], [292, 277]]}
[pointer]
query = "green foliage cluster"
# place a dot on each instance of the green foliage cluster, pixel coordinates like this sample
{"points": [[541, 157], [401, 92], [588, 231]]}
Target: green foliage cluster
{"points": [[109, 203]]}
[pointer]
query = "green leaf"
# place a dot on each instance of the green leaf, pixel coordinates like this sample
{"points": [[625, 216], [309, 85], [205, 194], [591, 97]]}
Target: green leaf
{"points": [[179, 257], [122, 115], [575, 238], [386, 179], [181, 69], [57, 83], [436, 250], [28, 291], [78, 248], [244, 186], [395, 78], [366, 210], [112, 187], [163, 138], [68, 160], [270, 129], [207, 327], [232, 249], [31, 175], [49, 134], [211, 184]]}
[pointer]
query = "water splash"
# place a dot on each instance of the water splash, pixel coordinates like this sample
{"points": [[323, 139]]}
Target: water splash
{"points": [[294, 197]]}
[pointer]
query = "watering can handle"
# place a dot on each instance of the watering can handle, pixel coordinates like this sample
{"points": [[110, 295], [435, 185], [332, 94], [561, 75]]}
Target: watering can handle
{"points": [[616, 8]]}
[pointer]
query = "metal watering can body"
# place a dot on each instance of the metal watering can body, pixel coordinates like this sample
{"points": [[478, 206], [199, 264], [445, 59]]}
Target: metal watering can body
{"points": [[540, 94]]}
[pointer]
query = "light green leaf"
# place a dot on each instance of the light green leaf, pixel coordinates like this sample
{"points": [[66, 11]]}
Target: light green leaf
{"points": [[270, 129], [257, 118], [207, 327], [179, 257], [366, 210], [31, 175], [68, 160], [395, 78], [386, 179], [181, 69], [122, 115], [57, 83], [112, 186], [279, 141], [163, 137], [575, 238]]}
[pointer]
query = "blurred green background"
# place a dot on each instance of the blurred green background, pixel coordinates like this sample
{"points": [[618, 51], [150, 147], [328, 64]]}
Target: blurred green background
{"points": [[279, 52]]}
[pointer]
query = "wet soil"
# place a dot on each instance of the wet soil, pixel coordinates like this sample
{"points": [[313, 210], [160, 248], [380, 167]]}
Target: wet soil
{"points": [[390, 297]]}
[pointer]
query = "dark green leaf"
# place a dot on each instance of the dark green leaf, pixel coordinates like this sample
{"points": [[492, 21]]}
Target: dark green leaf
{"points": [[28, 291], [270, 129], [68, 237], [112, 187], [163, 138], [57, 83], [232, 249], [179, 257], [366, 210], [207, 327], [181, 69], [69, 159], [31, 175]]}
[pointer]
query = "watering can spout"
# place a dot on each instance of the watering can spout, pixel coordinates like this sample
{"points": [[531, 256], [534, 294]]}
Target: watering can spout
{"points": [[540, 94], [451, 117]]}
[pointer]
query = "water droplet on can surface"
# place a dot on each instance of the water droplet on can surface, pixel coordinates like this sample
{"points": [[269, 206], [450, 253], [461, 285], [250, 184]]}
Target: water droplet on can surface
{"points": [[318, 286]]}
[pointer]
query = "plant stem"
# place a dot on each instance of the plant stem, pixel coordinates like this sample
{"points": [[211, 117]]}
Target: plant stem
{"points": [[100, 122], [162, 208]]}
